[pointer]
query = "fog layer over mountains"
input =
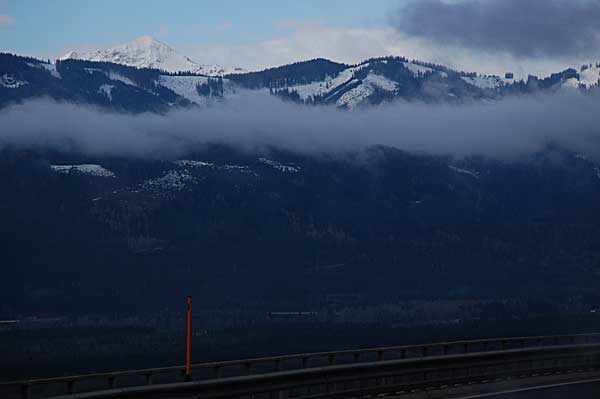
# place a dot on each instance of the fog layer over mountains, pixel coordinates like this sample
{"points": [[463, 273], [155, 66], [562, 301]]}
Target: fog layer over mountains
{"points": [[506, 129]]}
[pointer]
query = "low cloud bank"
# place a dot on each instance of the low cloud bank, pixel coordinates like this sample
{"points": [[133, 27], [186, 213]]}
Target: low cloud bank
{"points": [[507, 129]]}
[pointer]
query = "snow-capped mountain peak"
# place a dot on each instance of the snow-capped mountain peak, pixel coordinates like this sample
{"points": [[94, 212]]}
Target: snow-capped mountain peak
{"points": [[147, 52]]}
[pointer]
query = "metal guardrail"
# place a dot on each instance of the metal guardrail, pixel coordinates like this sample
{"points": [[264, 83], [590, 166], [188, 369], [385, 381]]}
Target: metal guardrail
{"points": [[270, 370], [373, 378]]}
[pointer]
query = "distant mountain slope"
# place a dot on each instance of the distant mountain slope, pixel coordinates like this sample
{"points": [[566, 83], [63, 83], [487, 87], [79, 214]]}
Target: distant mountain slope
{"points": [[318, 81], [147, 52], [378, 80], [105, 84], [262, 227]]}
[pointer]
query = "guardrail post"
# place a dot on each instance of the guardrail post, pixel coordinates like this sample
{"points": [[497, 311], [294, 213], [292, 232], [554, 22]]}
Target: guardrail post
{"points": [[425, 350], [466, 348], [217, 372], [403, 354], [331, 360], [248, 368], [25, 391], [530, 367], [445, 349], [356, 357], [304, 362], [504, 344], [380, 355], [112, 382], [71, 387], [149, 379], [188, 342]]}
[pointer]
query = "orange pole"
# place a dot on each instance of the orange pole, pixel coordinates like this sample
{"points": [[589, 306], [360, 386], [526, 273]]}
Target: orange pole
{"points": [[188, 350]]}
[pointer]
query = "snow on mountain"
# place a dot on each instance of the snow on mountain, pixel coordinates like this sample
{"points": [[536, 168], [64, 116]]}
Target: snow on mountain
{"points": [[186, 86], [106, 90], [191, 167], [487, 82], [172, 180], [10, 82], [112, 75], [85, 169], [279, 166], [147, 52], [52, 69], [327, 86], [366, 88], [420, 70], [186, 163], [351, 89], [465, 171], [49, 67], [589, 75]]}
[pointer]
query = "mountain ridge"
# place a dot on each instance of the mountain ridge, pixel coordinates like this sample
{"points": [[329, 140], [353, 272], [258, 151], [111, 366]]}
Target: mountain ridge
{"points": [[314, 82], [148, 52]]}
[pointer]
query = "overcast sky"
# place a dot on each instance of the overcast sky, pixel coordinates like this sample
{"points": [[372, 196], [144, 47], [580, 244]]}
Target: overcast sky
{"points": [[487, 36]]}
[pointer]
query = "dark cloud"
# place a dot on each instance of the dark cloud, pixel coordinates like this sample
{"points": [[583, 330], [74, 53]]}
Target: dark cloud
{"points": [[509, 128], [520, 27]]}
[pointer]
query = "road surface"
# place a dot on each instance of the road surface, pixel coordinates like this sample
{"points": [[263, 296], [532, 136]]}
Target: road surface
{"points": [[590, 390]]}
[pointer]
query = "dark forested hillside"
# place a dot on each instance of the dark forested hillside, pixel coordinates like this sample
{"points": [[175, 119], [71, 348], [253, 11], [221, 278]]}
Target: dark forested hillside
{"points": [[287, 75], [288, 230]]}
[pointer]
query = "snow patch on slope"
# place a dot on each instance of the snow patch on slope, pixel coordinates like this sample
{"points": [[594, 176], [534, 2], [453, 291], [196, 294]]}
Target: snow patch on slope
{"points": [[106, 90], [172, 180], [93, 70], [486, 82], [112, 75], [185, 86], [465, 171], [418, 70], [366, 88], [279, 166], [52, 69], [380, 82], [355, 96], [327, 86], [49, 67], [86, 169], [10, 82], [188, 165], [185, 163]]}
